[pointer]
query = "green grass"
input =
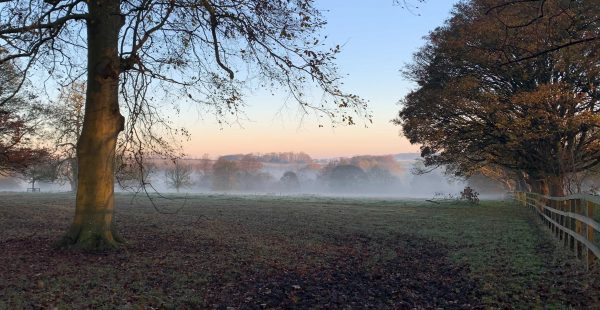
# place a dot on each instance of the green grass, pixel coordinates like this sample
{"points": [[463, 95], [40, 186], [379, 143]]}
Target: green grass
{"points": [[247, 251]]}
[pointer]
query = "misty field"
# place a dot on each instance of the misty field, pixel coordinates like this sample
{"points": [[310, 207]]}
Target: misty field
{"points": [[255, 252]]}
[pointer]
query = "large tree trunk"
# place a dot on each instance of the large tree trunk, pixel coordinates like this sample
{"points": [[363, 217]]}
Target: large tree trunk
{"points": [[556, 185], [522, 182], [74, 174], [538, 183], [533, 183], [92, 228], [543, 187]]}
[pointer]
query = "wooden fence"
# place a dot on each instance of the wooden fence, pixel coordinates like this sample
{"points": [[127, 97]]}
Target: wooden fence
{"points": [[572, 219]]}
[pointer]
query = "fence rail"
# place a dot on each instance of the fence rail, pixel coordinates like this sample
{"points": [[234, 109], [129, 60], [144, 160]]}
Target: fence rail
{"points": [[572, 219]]}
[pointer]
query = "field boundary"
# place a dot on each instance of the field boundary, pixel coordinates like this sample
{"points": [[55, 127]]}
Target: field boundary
{"points": [[571, 219]]}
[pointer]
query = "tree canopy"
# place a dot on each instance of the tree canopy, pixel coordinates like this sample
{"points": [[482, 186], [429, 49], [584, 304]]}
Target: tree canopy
{"points": [[469, 111], [19, 119], [568, 23]]}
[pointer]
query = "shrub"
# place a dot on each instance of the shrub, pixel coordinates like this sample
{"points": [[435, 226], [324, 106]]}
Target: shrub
{"points": [[470, 195]]}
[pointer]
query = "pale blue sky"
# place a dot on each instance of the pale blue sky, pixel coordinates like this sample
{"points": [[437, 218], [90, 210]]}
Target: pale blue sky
{"points": [[378, 39]]}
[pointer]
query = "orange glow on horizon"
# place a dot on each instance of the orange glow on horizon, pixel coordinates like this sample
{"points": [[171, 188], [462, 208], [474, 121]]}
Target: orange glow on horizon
{"points": [[318, 143]]}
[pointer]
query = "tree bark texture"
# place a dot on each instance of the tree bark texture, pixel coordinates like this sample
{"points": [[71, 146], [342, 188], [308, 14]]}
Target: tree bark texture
{"points": [[537, 183], [92, 227], [521, 181], [556, 185], [74, 174]]}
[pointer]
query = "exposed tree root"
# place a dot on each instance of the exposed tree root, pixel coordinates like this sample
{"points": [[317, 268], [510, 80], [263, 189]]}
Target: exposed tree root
{"points": [[90, 240]]}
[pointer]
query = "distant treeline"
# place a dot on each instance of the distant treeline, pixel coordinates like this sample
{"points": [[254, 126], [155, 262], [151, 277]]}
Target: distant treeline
{"points": [[280, 158], [287, 172]]}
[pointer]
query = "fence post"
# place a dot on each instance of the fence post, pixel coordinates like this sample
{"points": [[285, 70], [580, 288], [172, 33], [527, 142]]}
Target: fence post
{"points": [[557, 219], [558, 206], [541, 203], [567, 222], [553, 204], [521, 194], [572, 224], [518, 196], [522, 199], [579, 229], [562, 204], [590, 257]]}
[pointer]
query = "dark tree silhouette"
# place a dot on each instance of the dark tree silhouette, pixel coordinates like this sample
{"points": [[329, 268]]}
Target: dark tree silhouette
{"points": [[290, 181], [225, 174], [347, 177]]}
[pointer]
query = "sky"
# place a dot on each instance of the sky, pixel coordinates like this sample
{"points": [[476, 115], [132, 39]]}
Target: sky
{"points": [[378, 39]]}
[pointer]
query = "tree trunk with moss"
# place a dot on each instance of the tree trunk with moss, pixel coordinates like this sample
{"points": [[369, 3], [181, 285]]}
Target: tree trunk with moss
{"points": [[92, 228]]}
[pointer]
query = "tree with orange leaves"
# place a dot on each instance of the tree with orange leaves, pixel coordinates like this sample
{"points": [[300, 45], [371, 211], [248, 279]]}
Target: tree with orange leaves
{"points": [[19, 119], [539, 117]]}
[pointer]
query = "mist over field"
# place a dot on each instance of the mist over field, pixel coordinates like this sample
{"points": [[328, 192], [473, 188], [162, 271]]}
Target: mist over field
{"points": [[359, 176]]}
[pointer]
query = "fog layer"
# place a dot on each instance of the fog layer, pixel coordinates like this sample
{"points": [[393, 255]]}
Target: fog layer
{"points": [[361, 176]]}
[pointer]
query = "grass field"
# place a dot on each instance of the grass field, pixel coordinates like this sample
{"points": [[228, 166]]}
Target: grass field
{"points": [[255, 252]]}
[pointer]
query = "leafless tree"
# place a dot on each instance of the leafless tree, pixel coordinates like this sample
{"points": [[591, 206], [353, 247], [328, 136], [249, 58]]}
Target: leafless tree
{"points": [[140, 55], [42, 170], [66, 123], [134, 176], [179, 175]]}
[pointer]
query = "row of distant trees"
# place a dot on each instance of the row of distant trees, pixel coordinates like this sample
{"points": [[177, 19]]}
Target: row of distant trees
{"points": [[55, 160], [273, 157], [249, 173]]}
